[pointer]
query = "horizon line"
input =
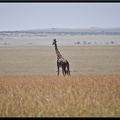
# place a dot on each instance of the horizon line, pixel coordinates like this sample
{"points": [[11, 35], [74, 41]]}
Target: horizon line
{"points": [[56, 28]]}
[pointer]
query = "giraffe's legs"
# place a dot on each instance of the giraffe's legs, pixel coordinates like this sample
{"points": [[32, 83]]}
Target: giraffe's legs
{"points": [[58, 71], [68, 70], [65, 67], [63, 71], [58, 68]]}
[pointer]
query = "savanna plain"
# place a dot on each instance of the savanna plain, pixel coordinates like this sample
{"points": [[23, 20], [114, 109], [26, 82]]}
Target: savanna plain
{"points": [[30, 87]]}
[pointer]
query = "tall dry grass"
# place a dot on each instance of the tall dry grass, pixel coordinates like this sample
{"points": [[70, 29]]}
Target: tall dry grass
{"points": [[51, 96]]}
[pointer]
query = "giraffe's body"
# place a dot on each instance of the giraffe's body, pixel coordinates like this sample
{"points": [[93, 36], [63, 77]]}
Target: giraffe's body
{"points": [[61, 62]]}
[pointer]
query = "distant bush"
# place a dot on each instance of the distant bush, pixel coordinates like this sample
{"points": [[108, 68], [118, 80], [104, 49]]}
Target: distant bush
{"points": [[112, 42], [84, 42]]}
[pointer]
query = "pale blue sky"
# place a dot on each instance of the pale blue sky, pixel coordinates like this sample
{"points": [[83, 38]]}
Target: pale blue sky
{"points": [[22, 16]]}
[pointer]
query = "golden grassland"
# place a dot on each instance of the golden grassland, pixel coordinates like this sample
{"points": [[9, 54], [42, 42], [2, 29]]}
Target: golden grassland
{"points": [[53, 96]]}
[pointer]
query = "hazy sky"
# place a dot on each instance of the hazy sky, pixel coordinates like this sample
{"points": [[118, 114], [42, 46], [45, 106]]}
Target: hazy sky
{"points": [[22, 16]]}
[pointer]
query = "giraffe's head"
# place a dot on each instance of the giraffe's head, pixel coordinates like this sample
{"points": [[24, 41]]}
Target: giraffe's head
{"points": [[54, 42]]}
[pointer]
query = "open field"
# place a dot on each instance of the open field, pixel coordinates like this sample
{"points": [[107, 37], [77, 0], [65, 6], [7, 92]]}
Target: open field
{"points": [[52, 96], [42, 60], [29, 85]]}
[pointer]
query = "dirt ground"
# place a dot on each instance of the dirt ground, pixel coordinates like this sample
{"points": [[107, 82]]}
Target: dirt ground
{"points": [[41, 60]]}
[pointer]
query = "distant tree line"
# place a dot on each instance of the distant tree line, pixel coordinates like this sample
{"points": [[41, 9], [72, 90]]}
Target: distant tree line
{"points": [[8, 33]]}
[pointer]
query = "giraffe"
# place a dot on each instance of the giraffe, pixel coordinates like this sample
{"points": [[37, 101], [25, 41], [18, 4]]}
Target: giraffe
{"points": [[61, 62]]}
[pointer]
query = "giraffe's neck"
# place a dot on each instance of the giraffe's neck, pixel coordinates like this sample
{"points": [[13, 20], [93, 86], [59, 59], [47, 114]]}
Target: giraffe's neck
{"points": [[57, 52]]}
